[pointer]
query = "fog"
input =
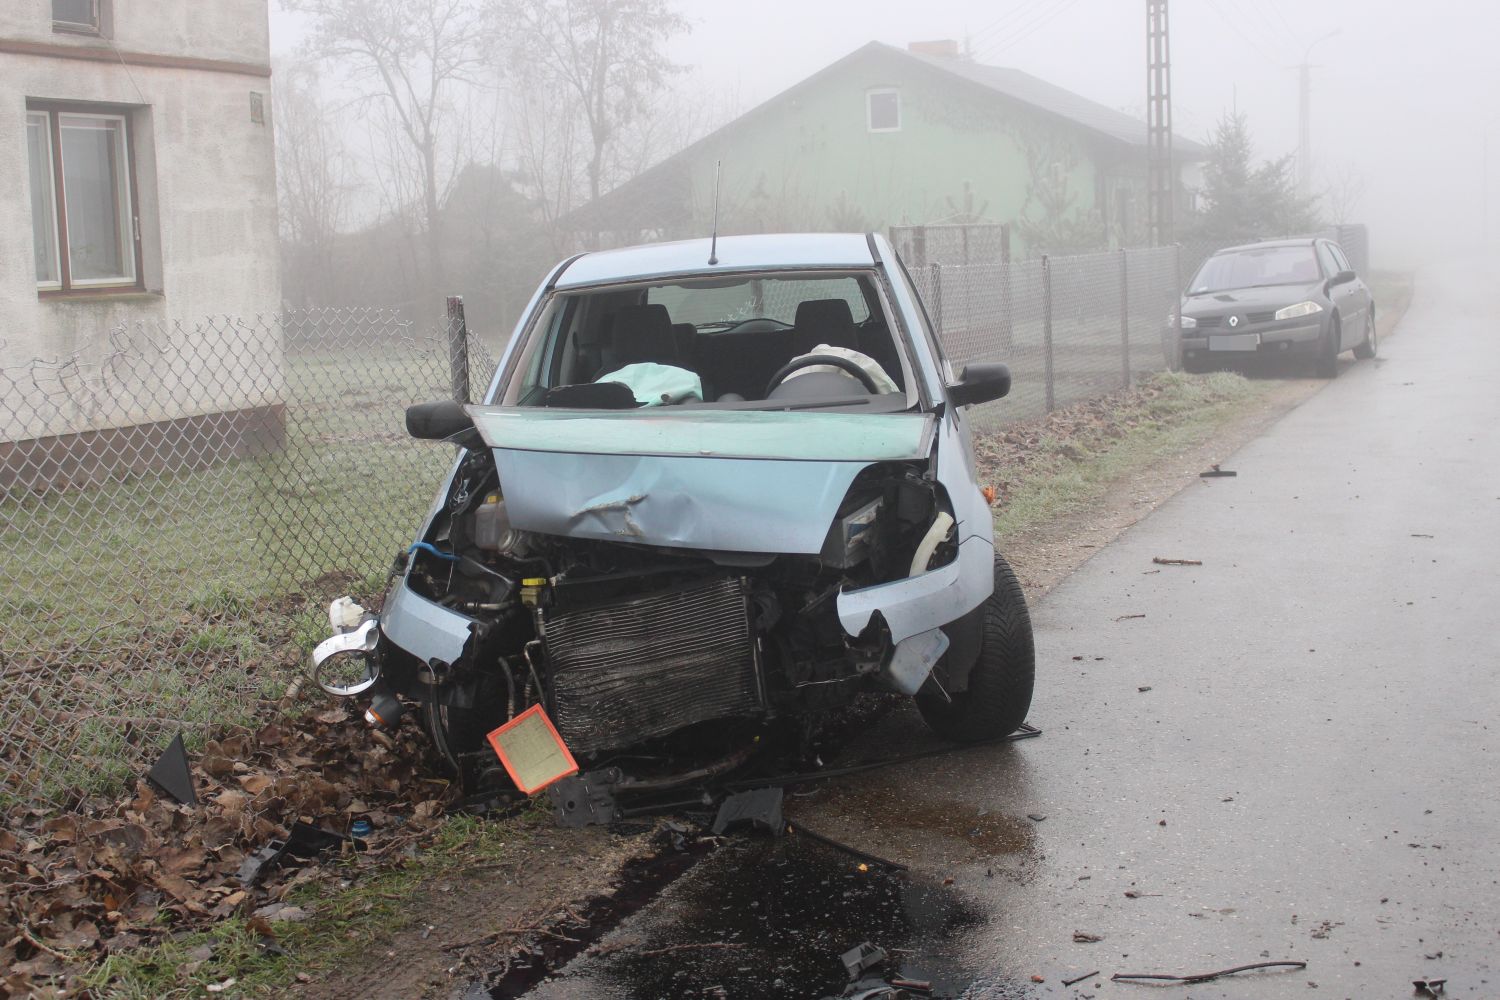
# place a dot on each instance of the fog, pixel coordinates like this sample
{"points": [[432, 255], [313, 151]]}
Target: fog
{"points": [[1403, 97]]}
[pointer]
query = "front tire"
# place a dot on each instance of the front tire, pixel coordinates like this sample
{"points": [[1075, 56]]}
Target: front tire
{"points": [[1326, 364], [1367, 350], [1001, 683]]}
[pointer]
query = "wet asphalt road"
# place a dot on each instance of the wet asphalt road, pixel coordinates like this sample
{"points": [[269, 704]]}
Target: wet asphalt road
{"points": [[1313, 773]]}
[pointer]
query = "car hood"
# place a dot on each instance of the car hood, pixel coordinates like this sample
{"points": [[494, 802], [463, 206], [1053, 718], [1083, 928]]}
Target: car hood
{"points": [[1271, 298], [736, 481]]}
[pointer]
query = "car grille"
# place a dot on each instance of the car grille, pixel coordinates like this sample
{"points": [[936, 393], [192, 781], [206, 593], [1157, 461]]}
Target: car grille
{"points": [[635, 668], [1214, 322]]}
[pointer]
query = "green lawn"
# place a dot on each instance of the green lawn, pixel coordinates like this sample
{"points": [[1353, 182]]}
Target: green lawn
{"points": [[170, 601]]}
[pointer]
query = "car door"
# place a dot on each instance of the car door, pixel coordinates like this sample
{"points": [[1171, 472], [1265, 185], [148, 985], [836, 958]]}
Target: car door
{"points": [[1364, 296], [1345, 298]]}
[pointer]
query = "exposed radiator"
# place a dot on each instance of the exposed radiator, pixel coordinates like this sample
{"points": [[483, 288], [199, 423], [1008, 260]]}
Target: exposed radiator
{"points": [[641, 667]]}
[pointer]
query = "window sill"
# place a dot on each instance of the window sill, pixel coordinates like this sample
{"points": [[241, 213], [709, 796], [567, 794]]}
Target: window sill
{"points": [[99, 295], [61, 28]]}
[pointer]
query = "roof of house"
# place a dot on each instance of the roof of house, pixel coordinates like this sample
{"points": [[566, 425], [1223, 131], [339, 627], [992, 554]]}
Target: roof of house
{"points": [[1012, 84], [1049, 97]]}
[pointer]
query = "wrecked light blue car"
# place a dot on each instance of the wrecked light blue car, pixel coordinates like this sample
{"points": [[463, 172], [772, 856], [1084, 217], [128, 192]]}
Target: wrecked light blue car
{"points": [[713, 489]]}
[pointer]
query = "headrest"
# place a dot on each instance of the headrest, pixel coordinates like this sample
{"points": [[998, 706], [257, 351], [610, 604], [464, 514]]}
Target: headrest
{"points": [[824, 321]]}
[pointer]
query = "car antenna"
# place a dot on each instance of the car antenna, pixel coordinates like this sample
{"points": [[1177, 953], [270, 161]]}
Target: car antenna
{"points": [[713, 247]]}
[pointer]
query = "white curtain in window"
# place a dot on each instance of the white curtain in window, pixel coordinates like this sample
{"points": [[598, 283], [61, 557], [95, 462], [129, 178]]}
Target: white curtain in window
{"points": [[43, 203], [96, 190]]}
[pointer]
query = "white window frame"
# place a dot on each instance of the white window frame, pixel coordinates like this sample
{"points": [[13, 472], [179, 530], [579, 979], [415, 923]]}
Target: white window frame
{"points": [[870, 96], [128, 222], [45, 119]]}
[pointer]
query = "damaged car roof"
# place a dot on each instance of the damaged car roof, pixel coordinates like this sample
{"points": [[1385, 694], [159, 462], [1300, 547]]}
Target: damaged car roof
{"points": [[735, 253]]}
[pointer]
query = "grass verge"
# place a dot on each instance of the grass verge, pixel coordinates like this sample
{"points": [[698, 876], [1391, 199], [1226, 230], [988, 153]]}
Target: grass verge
{"points": [[1060, 465]]}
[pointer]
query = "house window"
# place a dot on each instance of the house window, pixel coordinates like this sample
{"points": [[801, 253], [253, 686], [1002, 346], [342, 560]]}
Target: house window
{"points": [[83, 222], [86, 16], [883, 110]]}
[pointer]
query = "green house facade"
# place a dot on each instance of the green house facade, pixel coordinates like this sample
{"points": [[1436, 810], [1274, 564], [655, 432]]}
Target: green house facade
{"points": [[886, 137]]}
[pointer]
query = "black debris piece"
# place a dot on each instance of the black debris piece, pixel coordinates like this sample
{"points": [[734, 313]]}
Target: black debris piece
{"points": [[586, 799], [1216, 473], [305, 841], [760, 808], [172, 774]]}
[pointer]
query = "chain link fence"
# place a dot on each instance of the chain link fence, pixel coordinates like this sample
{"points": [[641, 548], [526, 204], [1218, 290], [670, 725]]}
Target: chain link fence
{"points": [[173, 514], [1070, 328]]}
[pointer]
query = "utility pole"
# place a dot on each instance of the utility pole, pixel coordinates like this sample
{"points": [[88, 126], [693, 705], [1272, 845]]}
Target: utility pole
{"points": [[1304, 119], [1159, 170]]}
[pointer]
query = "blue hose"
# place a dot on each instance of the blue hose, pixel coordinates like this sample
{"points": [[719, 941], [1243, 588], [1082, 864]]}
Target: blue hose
{"points": [[432, 550]]}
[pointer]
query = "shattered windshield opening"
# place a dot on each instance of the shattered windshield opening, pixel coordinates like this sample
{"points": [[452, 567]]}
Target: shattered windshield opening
{"points": [[752, 341]]}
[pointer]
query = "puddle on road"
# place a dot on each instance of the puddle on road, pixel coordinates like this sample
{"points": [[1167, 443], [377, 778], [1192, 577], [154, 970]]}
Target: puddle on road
{"points": [[786, 909]]}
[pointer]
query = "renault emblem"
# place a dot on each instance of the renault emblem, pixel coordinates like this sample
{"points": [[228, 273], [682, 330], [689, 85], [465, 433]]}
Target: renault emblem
{"points": [[1234, 321]]}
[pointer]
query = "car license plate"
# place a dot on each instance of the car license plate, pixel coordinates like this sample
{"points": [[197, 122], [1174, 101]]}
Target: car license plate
{"points": [[1235, 342]]}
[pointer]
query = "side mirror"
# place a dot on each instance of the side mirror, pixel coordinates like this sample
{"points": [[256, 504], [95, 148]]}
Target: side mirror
{"points": [[980, 383], [437, 421], [1342, 278]]}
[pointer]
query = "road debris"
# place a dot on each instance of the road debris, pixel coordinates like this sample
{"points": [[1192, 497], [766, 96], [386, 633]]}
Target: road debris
{"points": [[1164, 561], [1214, 472], [305, 841], [173, 774], [1143, 690], [1084, 937], [1036, 817], [1079, 979], [760, 808], [862, 958], [1204, 977], [1126, 618], [1429, 987]]}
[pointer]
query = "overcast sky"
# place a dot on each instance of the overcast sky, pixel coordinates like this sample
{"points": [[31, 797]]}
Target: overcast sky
{"points": [[1405, 91]]}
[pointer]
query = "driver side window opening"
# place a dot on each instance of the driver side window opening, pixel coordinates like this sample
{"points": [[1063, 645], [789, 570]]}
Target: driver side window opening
{"points": [[725, 342]]}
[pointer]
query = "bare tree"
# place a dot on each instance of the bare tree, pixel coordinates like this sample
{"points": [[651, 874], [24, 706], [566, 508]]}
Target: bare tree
{"points": [[606, 53], [314, 180], [1344, 190], [413, 59]]}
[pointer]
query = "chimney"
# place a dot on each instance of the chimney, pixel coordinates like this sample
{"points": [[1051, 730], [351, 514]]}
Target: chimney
{"points": [[942, 48]]}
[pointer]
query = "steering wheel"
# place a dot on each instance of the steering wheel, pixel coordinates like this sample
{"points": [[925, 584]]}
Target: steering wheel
{"points": [[844, 365]]}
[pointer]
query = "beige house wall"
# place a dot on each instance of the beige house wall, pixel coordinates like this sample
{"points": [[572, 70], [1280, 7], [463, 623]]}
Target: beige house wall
{"points": [[186, 73]]}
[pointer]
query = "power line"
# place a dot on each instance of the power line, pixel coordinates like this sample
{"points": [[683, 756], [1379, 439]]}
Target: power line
{"points": [[1235, 27], [1004, 22], [1273, 34], [1286, 23], [1024, 32]]}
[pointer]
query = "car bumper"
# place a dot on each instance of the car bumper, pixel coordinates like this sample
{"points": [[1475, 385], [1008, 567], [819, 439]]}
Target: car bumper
{"points": [[1255, 340]]}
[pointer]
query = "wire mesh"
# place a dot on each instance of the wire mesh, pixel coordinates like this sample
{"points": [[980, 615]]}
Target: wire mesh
{"points": [[158, 506]]}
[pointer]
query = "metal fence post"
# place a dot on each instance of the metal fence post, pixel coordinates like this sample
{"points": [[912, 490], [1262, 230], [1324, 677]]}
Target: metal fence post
{"points": [[936, 270], [1124, 318], [1047, 327], [1175, 362], [458, 348]]}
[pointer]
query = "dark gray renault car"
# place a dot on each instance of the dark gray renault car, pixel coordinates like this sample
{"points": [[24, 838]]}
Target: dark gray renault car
{"points": [[1280, 297]]}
